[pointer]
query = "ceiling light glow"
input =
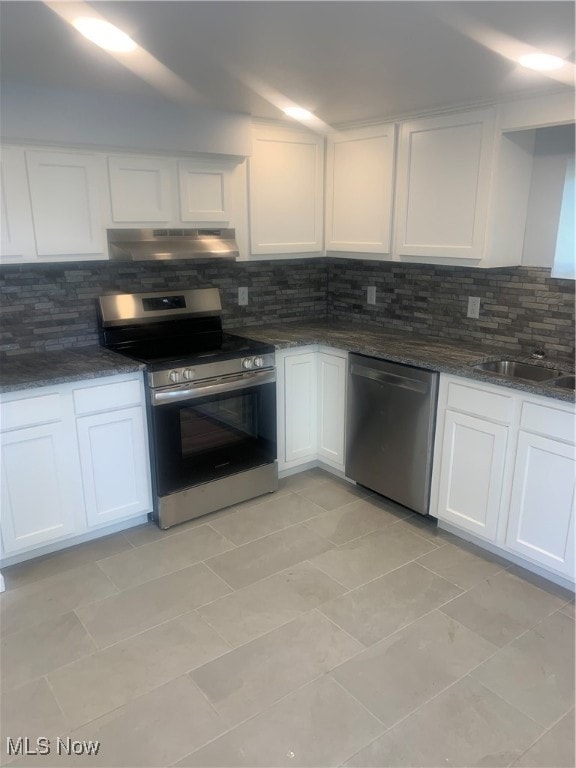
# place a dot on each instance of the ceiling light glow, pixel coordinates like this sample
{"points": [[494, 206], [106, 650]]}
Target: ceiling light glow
{"points": [[104, 34], [542, 62], [298, 113]]}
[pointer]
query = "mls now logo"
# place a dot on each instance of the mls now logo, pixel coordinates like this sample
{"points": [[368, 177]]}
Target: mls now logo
{"points": [[23, 745]]}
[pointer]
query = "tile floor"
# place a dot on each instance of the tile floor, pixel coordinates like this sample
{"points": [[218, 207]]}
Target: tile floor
{"points": [[321, 626]]}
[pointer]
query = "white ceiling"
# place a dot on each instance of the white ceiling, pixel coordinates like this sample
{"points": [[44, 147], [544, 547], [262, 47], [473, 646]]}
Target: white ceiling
{"points": [[346, 61]]}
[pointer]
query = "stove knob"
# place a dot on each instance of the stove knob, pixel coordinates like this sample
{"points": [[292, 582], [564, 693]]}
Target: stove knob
{"points": [[247, 363], [188, 374], [258, 362], [174, 376]]}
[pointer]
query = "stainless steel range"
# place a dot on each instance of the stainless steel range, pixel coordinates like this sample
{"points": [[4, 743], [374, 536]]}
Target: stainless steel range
{"points": [[211, 400]]}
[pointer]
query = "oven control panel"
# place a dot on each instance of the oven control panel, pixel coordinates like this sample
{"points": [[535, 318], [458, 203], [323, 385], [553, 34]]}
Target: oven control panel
{"points": [[209, 370]]}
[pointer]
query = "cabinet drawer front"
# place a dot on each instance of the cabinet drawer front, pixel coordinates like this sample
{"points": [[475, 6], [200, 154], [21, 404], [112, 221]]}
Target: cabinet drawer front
{"points": [[550, 421], [30, 411], [480, 402], [106, 396]]}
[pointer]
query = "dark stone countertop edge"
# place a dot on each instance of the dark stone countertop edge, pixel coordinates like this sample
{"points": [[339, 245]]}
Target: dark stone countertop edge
{"points": [[46, 369], [435, 354]]}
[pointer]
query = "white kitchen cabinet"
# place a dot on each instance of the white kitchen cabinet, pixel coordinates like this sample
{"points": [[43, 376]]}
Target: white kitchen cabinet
{"points": [[74, 457], [300, 402], [285, 190], [311, 406], [141, 189], [462, 190], [443, 184], [471, 479], [359, 187], [16, 230], [66, 198], [331, 408], [114, 461], [205, 192], [505, 471], [41, 490], [541, 516]]}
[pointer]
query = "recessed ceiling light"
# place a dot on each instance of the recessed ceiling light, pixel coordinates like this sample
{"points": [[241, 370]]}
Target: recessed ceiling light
{"points": [[298, 113], [104, 34], [543, 62]]}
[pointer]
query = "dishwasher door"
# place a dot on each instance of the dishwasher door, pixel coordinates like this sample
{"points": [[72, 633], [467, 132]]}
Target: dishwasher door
{"points": [[391, 410]]}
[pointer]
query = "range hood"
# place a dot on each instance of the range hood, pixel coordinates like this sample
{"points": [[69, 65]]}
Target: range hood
{"points": [[171, 244]]}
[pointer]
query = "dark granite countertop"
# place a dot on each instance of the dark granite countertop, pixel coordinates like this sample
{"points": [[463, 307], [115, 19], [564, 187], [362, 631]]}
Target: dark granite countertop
{"points": [[404, 347], [44, 369], [49, 368]]}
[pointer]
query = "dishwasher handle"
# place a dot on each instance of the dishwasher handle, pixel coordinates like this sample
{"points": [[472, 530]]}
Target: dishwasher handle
{"points": [[382, 377]]}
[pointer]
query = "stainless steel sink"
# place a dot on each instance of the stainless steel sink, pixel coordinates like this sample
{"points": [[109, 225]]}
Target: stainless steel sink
{"points": [[564, 382], [511, 369]]}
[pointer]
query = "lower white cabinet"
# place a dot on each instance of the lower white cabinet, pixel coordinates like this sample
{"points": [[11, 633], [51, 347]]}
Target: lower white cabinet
{"points": [[74, 457], [331, 400], [311, 406], [114, 462], [300, 433], [41, 492], [470, 491], [505, 471], [541, 515]]}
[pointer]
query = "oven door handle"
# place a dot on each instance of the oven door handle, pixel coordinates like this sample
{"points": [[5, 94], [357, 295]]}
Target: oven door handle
{"points": [[182, 392]]}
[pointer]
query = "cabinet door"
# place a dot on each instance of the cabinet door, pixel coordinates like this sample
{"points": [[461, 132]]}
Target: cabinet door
{"points": [[443, 183], [141, 189], [16, 229], [541, 520], [204, 192], [359, 190], [331, 408], [39, 486], [471, 473], [65, 196], [285, 192], [114, 461], [300, 407]]}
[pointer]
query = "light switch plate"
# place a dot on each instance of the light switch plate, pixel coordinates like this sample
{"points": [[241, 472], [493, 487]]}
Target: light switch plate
{"points": [[242, 297], [371, 294]]}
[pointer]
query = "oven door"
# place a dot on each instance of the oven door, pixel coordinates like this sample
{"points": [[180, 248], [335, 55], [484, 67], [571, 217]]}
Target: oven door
{"points": [[212, 429]]}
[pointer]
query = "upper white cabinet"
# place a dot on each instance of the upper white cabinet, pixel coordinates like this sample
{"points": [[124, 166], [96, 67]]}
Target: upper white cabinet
{"points": [[16, 231], [141, 189], [462, 190], [359, 187], [205, 193], [285, 188], [444, 168], [66, 198]]}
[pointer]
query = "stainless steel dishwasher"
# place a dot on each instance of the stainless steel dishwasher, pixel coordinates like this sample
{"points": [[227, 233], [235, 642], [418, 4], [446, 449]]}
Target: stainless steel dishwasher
{"points": [[391, 410]]}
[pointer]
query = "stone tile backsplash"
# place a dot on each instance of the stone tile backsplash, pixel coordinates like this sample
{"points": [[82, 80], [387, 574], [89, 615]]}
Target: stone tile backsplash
{"points": [[521, 307], [53, 306]]}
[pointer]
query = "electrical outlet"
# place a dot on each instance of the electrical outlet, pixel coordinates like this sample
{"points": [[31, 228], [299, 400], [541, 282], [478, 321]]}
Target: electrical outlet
{"points": [[242, 297], [473, 307], [371, 294]]}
